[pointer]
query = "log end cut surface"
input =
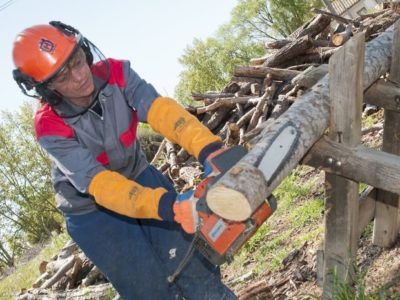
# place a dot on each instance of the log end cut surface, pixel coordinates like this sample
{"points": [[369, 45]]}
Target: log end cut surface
{"points": [[228, 204]]}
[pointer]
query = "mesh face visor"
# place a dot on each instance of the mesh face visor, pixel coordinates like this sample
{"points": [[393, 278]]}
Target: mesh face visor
{"points": [[100, 70]]}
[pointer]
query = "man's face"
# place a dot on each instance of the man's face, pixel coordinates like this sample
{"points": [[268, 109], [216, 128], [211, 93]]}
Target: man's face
{"points": [[75, 81]]}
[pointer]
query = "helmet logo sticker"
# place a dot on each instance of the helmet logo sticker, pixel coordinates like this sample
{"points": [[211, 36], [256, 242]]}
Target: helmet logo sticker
{"points": [[46, 45]]}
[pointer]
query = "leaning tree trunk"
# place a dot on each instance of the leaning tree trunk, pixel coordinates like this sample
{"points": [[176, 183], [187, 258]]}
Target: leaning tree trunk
{"points": [[255, 176]]}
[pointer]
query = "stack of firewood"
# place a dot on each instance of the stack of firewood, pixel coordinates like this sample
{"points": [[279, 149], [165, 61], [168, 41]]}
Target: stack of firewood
{"points": [[261, 92], [68, 275], [256, 95]]}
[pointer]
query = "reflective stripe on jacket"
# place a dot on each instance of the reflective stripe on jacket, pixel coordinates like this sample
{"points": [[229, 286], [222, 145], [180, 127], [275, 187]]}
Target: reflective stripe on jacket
{"points": [[82, 146]]}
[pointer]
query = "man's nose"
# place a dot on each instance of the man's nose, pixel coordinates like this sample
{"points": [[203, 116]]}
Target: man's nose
{"points": [[77, 75]]}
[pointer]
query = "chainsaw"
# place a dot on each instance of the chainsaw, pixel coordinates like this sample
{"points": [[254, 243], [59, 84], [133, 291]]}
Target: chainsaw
{"points": [[219, 239], [216, 238]]}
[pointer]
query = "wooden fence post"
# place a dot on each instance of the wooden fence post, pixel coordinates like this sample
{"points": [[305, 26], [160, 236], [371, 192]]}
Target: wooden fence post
{"points": [[386, 226], [341, 208]]}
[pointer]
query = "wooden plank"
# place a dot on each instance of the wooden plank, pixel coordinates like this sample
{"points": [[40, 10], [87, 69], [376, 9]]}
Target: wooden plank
{"points": [[306, 120], [341, 204], [373, 167], [367, 206], [385, 94], [386, 227]]}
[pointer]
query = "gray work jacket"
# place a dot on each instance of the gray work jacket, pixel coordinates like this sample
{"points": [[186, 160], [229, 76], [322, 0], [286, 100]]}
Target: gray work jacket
{"points": [[84, 145]]}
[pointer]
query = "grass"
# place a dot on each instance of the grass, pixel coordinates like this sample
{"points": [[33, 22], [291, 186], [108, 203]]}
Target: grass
{"points": [[298, 219], [342, 291], [26, 274], [275, 239]]}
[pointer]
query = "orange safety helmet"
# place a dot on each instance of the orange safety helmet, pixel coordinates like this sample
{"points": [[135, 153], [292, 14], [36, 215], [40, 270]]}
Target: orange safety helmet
{"points": [[42, 50]]}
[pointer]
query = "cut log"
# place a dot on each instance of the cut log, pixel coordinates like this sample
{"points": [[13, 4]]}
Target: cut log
{"points": [[172, 159], [338, 39], [282, 105], [321, 43], [295, 48], [68, 264], [159, 152], [258, 110], [312, 58], [310, 76], [233, 135], [73, 273], [231, 88], [278, 44], [217, 117], [54, 265], [246, 78], [244, 89], [255, 88], [384, 94], [91, 277], [68, 249], [202, 96], [336, 17], [189, 174], [316, 26], [262, 72], [40, 280], [98, 292], [246, 117], [257, 174], [224, 102]]}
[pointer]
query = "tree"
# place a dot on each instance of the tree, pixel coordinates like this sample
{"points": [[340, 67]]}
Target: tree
{"points": [[288, 15], [208, 64], [253, 18], [27, 197]]}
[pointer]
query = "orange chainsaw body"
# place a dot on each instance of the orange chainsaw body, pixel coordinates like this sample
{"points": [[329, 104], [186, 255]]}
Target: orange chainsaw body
{"points": [[219, 239]]}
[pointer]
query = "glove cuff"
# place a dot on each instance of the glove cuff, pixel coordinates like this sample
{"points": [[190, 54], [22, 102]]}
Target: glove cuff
{"points": [[207, 150], [165, 206]]}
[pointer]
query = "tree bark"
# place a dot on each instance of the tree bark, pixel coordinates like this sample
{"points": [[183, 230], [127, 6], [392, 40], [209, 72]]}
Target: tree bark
{"points": [[296, 48], [310, 76], [262, 72], [69, 263], [316, 26]]}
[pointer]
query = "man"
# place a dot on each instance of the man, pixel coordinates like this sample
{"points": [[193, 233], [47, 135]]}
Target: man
{"points": [[121, 211]]}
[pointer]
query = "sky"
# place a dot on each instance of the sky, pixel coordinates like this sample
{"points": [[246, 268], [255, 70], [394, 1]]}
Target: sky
{"points": [[152, 34]]}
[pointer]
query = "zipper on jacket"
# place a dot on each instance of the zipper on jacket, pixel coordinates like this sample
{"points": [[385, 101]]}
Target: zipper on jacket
{"points": [[97, 109]]}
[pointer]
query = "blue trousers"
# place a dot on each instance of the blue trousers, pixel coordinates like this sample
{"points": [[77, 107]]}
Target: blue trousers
{"points": [[137, 255]]}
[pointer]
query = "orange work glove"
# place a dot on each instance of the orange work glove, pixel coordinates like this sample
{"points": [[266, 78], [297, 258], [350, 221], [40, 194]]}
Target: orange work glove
{"points": [[185, 212]]}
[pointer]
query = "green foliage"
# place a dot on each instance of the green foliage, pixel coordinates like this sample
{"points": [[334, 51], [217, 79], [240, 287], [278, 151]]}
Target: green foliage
{"points": [[288, 15], [253, 19], [148, 140], [297, 208], [208, 64], [343, 291], [27, 208], [308, 212], [288, 191]]}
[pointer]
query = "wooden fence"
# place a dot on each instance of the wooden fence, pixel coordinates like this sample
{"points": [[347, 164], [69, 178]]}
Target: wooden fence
{"points": [[347, 162], [356, 74]]}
